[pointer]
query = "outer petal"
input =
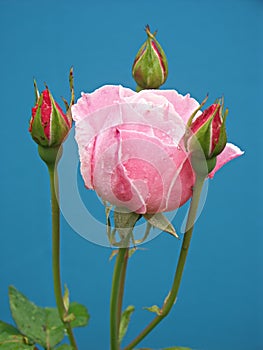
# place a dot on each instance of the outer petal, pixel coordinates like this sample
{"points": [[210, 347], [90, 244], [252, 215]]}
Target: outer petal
{"points": [[103, 97], [230, 152], [150, 109], [183, 105]]}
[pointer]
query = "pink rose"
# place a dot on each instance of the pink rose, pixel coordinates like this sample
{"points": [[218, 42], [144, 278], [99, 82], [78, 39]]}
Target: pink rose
{"points": [[131, 147]]}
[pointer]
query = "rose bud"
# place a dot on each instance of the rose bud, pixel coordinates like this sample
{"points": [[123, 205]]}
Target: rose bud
{"points": [[49, 125], [150, 67], [207, 133]]}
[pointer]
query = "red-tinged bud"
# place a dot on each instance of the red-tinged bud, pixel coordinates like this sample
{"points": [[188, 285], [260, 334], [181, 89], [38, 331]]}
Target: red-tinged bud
{"points": [[207, 133], [150, 68], [49, 125]]}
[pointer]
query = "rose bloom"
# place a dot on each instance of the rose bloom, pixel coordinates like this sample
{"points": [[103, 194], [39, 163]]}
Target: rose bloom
{"points": [[131, 147]]}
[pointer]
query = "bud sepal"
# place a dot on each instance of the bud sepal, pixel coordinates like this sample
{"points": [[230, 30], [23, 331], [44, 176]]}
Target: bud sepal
{"points": [[49, 125], [207, 131], [150, 68]]}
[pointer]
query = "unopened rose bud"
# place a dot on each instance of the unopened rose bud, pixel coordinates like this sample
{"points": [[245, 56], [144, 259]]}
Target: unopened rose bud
{"points": [[207, 133], [150, 67], [49, 125]]}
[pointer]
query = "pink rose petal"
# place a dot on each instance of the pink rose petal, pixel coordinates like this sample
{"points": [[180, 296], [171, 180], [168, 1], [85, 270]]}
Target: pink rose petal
{"points": [[103, 97], [183, 105], [230, 152]]}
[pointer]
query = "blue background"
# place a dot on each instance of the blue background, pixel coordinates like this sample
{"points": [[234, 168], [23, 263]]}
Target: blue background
{"points": [[212, 46]]}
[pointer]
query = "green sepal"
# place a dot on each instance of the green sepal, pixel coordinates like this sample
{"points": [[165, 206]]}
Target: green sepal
{"points": [[124, 223], [65, 103], [132, 251], [71, 86], [108, 208], [37, 94], [202, 137], [161, 51], [72, 98], [139, 88], [211, 163], [116, 251], [37, 131], [113, 254], [201, 140], [160, 221], [146, 234], [59, 128], [125, 320], [189, 122], [221, 144]]}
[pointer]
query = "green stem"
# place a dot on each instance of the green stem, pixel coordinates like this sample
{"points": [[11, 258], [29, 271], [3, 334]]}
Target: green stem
{"points": [[56, 251], [116, 297], [169, 302], [122, 284]]}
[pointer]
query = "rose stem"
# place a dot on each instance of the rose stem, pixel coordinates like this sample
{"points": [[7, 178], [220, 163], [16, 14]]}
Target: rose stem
{"points": [[169, 302], [117, 290], [56, 251], [122, 284]]}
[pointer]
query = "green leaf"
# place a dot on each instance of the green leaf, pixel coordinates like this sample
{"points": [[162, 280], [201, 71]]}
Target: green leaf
{"points": [[177, 348], [81, 316], [161, 222], [12, 339], [7, 328], [64, 347], [125, 320], [154, 309], [41, 325], [172, 348], [14, 342]]}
